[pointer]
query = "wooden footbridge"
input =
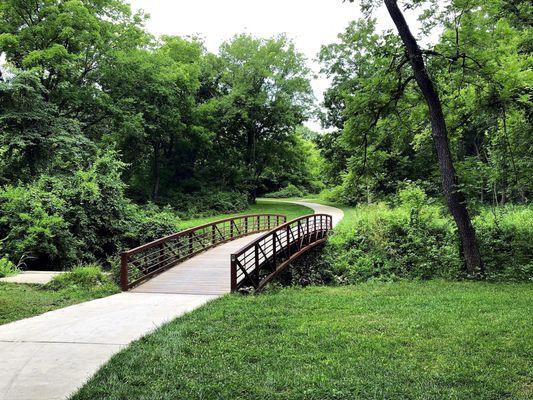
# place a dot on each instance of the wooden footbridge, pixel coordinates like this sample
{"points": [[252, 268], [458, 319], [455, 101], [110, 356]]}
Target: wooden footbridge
{"points": [[241, 252]]}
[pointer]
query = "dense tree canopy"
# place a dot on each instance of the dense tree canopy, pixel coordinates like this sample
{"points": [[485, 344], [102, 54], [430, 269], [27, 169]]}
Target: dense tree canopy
{"points": [[482, 68]]}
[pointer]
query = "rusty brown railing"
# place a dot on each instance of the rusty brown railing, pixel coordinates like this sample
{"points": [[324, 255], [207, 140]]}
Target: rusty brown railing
{"points": [[259, 262], [143, 262]]}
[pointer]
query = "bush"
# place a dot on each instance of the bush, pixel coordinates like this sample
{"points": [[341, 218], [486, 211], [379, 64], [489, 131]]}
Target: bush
{"points": [[332, 195], [288, 191], [206, 203], [32, 221], [7, 268], [415, 239], [506, 241], [62, 220], [146, 223], [88, 276]]}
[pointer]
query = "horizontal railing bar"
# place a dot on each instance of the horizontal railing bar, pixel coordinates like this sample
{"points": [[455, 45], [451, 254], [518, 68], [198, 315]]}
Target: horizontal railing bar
{"points": [[193, 229], [156, 256]]}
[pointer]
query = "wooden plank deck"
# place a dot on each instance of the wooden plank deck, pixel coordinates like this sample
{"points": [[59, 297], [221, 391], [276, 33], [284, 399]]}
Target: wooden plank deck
{"points": [[206, 273]]}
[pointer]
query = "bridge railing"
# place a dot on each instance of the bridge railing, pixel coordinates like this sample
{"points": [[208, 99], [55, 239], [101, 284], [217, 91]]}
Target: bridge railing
{"points": [[143, 262], [261, 260]]}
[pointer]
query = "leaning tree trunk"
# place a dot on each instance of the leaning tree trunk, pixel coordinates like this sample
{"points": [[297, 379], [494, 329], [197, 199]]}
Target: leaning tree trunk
{"points": [[454, 198]]}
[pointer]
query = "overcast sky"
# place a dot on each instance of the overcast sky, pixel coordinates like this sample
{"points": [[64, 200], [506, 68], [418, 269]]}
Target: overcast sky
{"points": [[310, 23]]}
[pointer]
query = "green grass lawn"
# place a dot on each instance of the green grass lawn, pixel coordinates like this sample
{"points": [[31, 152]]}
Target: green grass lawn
{"points": [[19, 301], [262, 206], [402, 340]]}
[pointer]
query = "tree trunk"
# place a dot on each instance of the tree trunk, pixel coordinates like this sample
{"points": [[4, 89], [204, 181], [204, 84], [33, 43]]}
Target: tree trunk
{"points": [[454, 198]]}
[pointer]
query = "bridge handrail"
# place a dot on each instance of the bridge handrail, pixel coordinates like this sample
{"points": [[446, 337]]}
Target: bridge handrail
{"points": [[260, 261], [161, 254]]}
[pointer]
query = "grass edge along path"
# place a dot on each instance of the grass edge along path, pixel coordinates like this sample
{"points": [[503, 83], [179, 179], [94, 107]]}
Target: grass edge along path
{"points": [[416, 340], [21, 300]]}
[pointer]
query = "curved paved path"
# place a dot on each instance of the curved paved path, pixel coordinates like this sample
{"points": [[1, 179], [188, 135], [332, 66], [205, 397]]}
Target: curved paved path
{"points": [[49, 356]]}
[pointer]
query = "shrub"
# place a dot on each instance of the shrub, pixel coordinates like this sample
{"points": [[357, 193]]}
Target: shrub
{"points": [[415, 239], [146, 223], [288, 191], [206, 203], [7, 268], [381, 242], [88, 276], [506, 241], [62, 220], [32, 221], [333, 195]]}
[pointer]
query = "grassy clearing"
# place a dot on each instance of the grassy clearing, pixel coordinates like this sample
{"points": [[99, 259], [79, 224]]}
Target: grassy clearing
{"points": [[262, 206], [19, 301], [402, 340]]}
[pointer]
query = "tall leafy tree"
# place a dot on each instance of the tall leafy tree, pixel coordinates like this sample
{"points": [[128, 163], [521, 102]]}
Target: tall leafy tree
{"points": [[66, 43], [265, 95]]}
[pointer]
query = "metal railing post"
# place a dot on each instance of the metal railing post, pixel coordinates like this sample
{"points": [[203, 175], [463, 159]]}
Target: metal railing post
{"points": [[274, 237], [288, 240], [308, 239], [233, 277], [256, 271]]}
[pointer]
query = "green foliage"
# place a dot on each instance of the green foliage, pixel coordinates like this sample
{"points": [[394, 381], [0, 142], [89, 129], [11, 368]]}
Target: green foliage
{"points": [[288, 191], [207, 202], [415, 239], [84, 75], [7, 268], [31, 222], [61, 220], [89, 276], [506, 239], [142, 224], [391, 243], [482, 70]]}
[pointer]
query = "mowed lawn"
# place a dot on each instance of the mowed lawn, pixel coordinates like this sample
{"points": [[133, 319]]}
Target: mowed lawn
{"points": [[400, 340], [19, 301]]}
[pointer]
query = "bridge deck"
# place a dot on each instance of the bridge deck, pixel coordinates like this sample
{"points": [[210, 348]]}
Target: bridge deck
{"points": [[205, 273]]}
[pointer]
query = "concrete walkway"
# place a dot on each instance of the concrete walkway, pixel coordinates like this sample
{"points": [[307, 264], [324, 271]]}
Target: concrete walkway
{"points": [[336, 213], [49, 356], [40, 277]]}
